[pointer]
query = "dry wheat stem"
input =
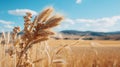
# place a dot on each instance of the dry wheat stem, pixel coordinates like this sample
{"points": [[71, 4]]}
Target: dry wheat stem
{"points": [[38, 31]]}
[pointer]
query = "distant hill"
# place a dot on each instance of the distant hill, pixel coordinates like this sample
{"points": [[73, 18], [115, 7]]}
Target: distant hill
{"points": [[90, 35], [85, 35]]}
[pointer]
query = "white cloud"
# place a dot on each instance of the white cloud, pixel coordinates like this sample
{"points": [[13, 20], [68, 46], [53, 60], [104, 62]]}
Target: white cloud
{"points": [[106, 21], [85, 20], [99, 24], [78, 1], [6, 25], [6, 22], [21, 12], [69, 21], [101, 30]]}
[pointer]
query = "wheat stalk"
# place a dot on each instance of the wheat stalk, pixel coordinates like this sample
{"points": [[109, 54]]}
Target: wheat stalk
{"points": [[34, 32]]}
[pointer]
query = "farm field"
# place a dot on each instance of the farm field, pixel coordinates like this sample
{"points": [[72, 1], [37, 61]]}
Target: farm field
{"points": [[77, 53], [60, 33], [93, 53], [34, 46], [85, 42]]}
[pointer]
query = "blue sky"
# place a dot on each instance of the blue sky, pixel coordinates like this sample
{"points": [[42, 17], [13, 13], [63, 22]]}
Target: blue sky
{"points": [[83, 15]]}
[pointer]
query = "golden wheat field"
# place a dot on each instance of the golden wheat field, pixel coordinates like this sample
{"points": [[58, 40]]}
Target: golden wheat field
{"points": [[76, 53], [35, 47]]}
